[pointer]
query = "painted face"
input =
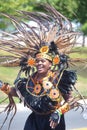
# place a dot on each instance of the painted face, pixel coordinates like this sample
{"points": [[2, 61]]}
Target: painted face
{"points": [[43, 65]]}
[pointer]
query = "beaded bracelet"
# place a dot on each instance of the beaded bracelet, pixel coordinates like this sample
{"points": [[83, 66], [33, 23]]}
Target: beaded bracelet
{"points": [[64, 108], [59, 112]]}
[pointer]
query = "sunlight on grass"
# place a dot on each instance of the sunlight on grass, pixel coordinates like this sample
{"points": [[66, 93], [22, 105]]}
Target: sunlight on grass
{"points": [[3, 96], [80, 52], [8, 74]]}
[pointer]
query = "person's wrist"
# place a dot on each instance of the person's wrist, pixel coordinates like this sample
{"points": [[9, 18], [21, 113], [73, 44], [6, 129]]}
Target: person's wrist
{"points": [[59, 112]]}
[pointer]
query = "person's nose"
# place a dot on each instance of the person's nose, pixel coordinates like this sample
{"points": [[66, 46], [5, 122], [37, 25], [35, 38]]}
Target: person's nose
{"points": [[39, 62]]}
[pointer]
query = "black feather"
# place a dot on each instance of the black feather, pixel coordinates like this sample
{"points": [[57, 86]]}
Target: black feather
{"points": [[67, 81], [53, 48]]}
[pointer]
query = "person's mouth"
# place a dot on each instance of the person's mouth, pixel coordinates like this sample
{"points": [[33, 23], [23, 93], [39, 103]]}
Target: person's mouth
{"points": [[40, 67]]}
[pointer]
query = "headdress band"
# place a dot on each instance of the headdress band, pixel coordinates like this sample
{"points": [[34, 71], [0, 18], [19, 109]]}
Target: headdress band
{"points": [[44, 55]]}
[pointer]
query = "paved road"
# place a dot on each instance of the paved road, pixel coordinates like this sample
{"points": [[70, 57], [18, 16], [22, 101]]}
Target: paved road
{"points": [[73, 119]]}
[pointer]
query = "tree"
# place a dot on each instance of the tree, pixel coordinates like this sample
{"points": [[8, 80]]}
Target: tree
{"points": [[10, 7], [82, 14], [75, 10]]}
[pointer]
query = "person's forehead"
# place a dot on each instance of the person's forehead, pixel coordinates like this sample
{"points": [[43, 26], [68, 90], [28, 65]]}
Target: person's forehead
{"points": [[41, 59]]}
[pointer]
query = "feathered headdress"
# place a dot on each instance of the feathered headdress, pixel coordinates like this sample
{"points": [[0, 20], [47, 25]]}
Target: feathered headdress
{"points": [[51, 38]]}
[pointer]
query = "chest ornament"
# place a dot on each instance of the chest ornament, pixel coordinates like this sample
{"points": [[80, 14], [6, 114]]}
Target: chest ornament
{"points": [[44, 87]]}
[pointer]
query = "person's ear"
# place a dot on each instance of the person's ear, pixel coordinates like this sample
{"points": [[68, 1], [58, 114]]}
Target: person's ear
{"points": [[50, 65]]}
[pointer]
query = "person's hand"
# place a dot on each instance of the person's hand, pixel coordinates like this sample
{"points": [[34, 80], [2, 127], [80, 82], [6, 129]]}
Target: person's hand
{"points": [[5, 87], [55, 119]]}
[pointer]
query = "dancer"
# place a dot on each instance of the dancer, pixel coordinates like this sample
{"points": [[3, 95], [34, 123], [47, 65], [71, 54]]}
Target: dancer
{"points": [[42, 54]]}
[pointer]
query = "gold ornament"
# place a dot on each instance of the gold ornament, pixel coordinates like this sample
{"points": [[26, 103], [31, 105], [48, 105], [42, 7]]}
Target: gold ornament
{"points": [[31, 62], [44, 49], [54, 93], [37, 89], [47, 85], [56, 60]]}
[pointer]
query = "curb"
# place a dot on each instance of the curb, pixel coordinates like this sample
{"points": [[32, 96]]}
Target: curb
{"points": [[80, 129]]}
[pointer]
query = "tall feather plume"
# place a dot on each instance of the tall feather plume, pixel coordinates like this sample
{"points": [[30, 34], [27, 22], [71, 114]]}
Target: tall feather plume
{"points": [[56, 27], [51, 26]]}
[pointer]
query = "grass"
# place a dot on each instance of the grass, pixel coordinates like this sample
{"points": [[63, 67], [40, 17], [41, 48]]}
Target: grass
{"points": [[79, 52], [9, 74]]}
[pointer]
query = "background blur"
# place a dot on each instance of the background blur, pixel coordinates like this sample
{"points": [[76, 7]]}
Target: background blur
{"points": [[75, 10]]}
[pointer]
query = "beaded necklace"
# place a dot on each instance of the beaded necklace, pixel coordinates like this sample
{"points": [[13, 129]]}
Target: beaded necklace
{"points": [[44, 86]]}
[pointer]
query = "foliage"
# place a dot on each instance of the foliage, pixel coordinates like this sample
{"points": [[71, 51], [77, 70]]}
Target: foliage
{"points": [[67, 8], [82, 14], [75, 10], [84, 28], [10, 7]]}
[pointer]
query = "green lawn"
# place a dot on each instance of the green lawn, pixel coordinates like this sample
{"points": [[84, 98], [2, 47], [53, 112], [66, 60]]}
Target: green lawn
{"points": [[81, 68], [8, 74], [79, 52]]}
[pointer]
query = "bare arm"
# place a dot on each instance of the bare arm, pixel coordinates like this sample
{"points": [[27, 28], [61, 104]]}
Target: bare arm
{"points": [[13, 92]]}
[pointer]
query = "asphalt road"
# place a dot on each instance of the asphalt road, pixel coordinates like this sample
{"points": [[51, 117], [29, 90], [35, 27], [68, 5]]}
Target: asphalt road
{"points": [[73, 119]]}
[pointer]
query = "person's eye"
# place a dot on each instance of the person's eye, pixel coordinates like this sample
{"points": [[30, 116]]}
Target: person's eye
{"points": [[42, 61], [36, 61]]}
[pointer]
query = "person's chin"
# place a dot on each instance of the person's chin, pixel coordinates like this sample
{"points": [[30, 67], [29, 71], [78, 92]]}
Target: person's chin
{"points": [[40, 71]]}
